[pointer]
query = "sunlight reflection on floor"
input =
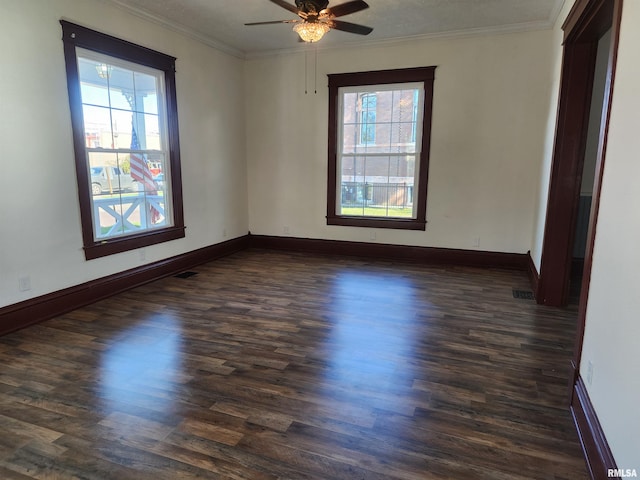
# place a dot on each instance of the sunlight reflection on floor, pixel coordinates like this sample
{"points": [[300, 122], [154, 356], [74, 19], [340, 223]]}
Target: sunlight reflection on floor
{"points": [[371, 338], [143, 355]]}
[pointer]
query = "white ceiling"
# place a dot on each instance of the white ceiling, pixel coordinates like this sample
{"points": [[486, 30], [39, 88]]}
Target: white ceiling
{"points": [[220, 23]]}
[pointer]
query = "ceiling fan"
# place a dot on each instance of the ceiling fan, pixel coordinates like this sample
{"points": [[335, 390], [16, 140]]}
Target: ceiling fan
{"points": [[316, 18]]}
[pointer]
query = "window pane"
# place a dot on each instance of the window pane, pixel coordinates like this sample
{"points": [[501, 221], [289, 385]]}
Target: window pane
{"points": [[146, 87], [97, 127], [349, 138], [160, 172], [122, 125], [350, 108], [383, 105], [368, 128], [351, 199], [93, 81], [377, 169], [151, 132], [110, 174], [95, 94], [353, 168], [121, 89], [403, 137], [395, 164]]}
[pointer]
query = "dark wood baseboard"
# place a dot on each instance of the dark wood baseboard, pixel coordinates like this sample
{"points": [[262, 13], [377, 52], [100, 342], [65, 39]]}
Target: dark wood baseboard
{"points": [[534, 276], [424, 255], [35, 310], [594, 443]]}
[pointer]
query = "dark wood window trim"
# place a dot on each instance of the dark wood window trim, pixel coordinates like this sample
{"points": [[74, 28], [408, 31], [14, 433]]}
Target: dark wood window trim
{"points": [[407, 75], [78, 36]]}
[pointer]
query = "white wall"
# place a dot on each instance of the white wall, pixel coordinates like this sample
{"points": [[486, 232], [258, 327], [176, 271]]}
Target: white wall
{"points": [[491, 108], [40, 234], [543, 178], [612, 332], [494, 122]]}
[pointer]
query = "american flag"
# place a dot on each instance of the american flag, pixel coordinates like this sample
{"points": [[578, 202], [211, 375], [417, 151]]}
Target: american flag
{"points": [[140, 172]]}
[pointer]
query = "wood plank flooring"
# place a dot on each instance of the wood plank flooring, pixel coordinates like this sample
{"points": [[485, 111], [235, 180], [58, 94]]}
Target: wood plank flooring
{"points": [[275, 366]]}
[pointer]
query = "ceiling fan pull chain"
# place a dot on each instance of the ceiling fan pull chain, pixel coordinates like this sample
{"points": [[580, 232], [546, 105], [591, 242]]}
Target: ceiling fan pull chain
{"points": [[315, 69], [306, 75]]}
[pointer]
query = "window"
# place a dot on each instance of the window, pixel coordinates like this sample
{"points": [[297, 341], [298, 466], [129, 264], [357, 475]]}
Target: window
{"points": [[379, 135], [125, 130]]}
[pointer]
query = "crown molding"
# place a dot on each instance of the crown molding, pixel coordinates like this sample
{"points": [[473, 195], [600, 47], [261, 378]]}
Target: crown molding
{"points": [[472, 32], [179, 28], [555, 13], [301, 48]]}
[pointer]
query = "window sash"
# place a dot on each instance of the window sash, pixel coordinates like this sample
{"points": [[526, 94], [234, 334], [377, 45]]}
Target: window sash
{"points": [[366, 94], [115, 215]]}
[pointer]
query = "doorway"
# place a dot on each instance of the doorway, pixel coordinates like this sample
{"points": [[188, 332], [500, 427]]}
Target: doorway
{"points": [[586, 25], [585, 197], [586, 30]]}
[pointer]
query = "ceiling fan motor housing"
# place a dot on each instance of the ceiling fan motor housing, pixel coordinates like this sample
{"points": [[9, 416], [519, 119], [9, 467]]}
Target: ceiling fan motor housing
{"points": [[316, 18], [312, 6]]}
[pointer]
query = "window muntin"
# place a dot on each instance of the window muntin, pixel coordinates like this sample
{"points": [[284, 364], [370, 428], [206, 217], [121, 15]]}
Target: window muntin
{"points": [[124, 114]]}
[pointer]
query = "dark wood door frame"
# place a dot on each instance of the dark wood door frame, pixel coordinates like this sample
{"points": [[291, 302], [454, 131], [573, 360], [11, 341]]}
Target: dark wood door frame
{"points": [[608, 14], [585, 25], [566, 172]]}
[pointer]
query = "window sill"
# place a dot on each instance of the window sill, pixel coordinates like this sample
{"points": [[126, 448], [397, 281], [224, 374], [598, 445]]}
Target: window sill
{"points": [[131, 242], [373, 222]]}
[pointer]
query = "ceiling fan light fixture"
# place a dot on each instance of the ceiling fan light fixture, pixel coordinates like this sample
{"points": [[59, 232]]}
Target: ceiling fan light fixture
{"points": [[311, 31]]}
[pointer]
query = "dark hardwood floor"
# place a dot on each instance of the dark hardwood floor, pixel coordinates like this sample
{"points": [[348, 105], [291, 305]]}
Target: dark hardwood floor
{"points": [[268, 365]]}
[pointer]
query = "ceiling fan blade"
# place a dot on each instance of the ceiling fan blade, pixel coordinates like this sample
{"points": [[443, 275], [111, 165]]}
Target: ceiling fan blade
{"points": [[347, 8], [351, 27], [286, 6], [273, 22]]}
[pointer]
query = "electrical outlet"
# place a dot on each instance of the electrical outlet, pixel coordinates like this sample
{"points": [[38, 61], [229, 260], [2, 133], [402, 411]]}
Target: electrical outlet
{"points": [[24, 283], [589, 373], [476, 241], [372, 235], [142, 254], [224, 233], [285, 229]]}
